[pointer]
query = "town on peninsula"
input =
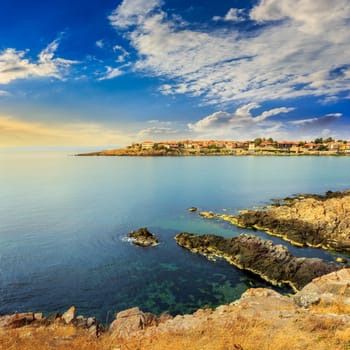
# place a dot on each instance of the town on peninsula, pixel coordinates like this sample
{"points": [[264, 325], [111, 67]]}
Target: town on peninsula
{"points": [[258, 146]]}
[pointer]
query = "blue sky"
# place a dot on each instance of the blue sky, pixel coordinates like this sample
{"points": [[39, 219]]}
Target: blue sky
{"points": [[98, 73]]}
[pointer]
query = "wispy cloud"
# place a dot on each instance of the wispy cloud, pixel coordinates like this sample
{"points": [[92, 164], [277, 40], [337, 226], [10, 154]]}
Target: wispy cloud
{"points": [[156, 133], [298, 48], [14, 64], [100, 44], [111, 73], [233, 14], [4, 93]]}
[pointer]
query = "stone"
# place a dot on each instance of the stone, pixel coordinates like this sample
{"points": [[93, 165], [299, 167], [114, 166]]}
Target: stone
{"points": [[327, 289], [90, 321], [142, 237], [192, 209], [38, 316], [69, 315], [207, 214], [16, 320], [341, 260], [127, 322]]}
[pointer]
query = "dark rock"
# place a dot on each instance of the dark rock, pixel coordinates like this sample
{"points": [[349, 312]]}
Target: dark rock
{"points": [[274, 263], [142, 237], [192, 209], [16, 320]]}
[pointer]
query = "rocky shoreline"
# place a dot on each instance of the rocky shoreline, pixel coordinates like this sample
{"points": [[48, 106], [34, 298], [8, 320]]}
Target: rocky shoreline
{"points": [[316, 317], [273, 263], [320, 221]]}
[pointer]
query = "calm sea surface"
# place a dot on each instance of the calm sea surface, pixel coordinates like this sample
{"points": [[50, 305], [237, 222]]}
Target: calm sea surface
{"points": [[64, 222]]}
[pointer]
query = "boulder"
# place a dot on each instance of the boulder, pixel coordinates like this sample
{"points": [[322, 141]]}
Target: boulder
{"points": [[69, 315], [142, 237], [127, 322]]}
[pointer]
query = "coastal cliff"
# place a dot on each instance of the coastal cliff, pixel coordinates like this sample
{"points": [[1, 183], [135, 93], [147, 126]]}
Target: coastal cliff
{"points": [[315, 318], [321, 221]]}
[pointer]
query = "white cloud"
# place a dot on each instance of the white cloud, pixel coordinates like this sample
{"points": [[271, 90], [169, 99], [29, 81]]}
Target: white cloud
{"points": [[155, 132], [160, 122], [122, 53], [242, 124], [99, 43], [233, 14], [14, 65], [303, 51], [132, 12], [313, 16], [239, 123], [111, 73], [4, 93]]}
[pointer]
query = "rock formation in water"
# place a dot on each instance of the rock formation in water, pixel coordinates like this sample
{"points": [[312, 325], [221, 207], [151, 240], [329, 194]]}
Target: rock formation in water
{"points": [[313, 220], [273, 263], [142, 237]]}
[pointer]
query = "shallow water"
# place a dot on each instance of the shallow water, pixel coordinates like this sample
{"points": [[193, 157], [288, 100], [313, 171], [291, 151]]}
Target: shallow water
{"points": [[64, 219]]}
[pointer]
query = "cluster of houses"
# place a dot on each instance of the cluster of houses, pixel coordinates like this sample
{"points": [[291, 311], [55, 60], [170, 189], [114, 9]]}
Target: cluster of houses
{"points": [[256, 145]]}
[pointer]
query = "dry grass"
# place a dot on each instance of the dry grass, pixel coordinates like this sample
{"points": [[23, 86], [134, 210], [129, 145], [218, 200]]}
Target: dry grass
{"points": [[336, 307], [312, 332]]}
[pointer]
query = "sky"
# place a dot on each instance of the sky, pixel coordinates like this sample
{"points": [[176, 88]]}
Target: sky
{"points": [[109, 73]]}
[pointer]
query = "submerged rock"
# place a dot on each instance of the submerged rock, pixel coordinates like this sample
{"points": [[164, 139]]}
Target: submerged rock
{"points": [[274, 263], [142, 237]]}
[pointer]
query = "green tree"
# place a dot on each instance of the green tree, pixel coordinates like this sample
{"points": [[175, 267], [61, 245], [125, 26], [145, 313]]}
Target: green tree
{"points": [[257, 141], [318, 140]]}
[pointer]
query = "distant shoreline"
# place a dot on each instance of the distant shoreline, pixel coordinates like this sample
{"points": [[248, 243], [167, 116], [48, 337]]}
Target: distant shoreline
{"points": [[126, 153]]}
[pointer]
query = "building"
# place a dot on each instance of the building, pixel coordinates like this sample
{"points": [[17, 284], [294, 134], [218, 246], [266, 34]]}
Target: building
{"points": [[147, 145]]}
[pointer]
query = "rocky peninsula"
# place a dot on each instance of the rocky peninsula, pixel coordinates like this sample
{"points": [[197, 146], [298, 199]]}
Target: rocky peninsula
{"points": [[321, 221], [273, 263], [317, 317]]}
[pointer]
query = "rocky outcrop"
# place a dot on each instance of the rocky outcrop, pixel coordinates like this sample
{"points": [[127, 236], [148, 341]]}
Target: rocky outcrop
{"points": [[142, 237], [129, 322], [37, 319], [313, 220], [273, 263], [331, 289]]}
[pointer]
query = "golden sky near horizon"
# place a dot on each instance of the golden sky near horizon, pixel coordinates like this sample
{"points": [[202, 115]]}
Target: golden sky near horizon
{"points": [[15, 132]]}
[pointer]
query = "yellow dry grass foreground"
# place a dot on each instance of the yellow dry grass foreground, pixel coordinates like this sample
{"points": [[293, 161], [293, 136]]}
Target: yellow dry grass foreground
{"points": [[310, 331]]}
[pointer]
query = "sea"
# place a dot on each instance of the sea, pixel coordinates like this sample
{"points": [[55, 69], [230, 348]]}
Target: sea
{"points": [[64, 224]]}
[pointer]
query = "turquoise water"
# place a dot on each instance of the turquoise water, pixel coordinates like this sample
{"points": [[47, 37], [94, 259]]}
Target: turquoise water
{"points": [[64, 222]]}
